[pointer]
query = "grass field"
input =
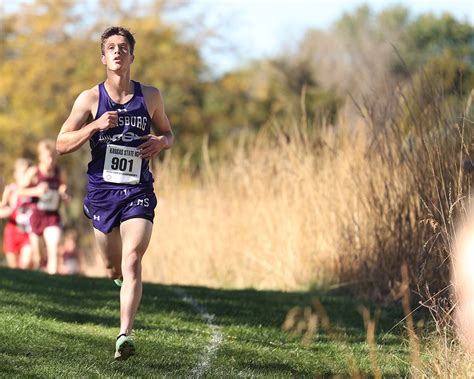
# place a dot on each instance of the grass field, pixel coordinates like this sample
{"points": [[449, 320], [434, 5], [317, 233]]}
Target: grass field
{"points": [[66, 327]]}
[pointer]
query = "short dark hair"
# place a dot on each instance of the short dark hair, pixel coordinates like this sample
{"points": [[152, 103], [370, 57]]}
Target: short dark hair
{"points": [[117, 30]]}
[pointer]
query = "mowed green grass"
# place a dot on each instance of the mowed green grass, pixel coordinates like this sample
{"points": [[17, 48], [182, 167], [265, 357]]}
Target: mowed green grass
{"points": [[53, 326]]}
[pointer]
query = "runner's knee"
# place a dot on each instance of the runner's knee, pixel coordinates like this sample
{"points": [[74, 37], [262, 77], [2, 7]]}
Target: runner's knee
{"points": [[132, 263]]}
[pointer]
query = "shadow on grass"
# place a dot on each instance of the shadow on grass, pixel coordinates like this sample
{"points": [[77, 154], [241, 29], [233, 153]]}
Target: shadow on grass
{"points": [[96, 301]]}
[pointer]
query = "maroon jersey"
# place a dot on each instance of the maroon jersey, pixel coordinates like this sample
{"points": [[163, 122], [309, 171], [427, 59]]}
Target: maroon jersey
{"points": [[49, 202]]}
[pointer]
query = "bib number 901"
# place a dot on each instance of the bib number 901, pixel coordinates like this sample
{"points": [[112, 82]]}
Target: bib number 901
{"points": [[122, 164]]}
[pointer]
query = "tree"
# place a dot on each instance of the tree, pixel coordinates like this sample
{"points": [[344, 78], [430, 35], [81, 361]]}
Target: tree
{"points": [[430, 37], [50, 54]]}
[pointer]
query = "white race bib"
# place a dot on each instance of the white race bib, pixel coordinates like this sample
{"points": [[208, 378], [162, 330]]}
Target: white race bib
{"points": [[22, 219], [122, 165], [49, 201]]}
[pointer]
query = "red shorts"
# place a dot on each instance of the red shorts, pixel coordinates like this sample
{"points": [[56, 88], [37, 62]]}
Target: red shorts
{"points": [[40, 220], [14, 239]]}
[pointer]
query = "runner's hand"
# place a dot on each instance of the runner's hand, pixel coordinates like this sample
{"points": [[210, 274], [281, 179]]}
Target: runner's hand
{"points": [[42, 188], [65, 197], [152, 146], [108, 120]]}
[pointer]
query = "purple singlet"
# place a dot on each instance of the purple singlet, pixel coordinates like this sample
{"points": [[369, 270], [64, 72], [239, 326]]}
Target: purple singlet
{"points": [[120, 184], [115, 161]]}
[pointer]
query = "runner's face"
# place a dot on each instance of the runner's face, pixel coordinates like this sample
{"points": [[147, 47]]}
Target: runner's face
{"points": [[19, 172], [47, 158], [117, 55]]}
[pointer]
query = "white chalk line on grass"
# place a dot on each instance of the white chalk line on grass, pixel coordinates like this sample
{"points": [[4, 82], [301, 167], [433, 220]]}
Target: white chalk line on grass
{"points": [[216, 339]]}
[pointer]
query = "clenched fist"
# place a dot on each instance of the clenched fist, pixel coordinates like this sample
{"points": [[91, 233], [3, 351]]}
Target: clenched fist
{"points": [[152, 146], [108, 120]]}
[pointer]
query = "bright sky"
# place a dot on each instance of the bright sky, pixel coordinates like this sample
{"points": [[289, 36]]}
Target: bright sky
{"points": [[257, 28]]}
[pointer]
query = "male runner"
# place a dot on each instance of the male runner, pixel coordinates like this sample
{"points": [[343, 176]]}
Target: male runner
{"points": [[116, 117]]}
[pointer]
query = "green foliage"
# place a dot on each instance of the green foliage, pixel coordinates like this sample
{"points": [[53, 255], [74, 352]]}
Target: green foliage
{"points": [[430, 36], [417, 43], [439, 61], [323, 106], [454, 77], [364, 20], [293, 88], [393, 18], [353, 23], [40, 58]]}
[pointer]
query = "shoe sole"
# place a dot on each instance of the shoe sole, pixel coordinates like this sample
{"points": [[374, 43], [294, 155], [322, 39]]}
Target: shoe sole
{"points": [[124, 352]]}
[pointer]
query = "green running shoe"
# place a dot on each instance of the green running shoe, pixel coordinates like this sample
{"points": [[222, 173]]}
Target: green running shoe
{"points": [[124, 347]]}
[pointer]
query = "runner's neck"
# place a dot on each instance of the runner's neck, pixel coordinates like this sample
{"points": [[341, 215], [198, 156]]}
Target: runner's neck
{"points": [[46, 170], [119, 87]]}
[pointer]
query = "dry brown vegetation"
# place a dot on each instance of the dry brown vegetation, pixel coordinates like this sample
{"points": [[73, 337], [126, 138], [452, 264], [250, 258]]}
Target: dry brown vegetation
{"points": [[275, 216], [294, 206]]}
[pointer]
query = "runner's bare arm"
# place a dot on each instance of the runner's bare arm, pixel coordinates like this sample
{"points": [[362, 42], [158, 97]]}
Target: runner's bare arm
{"points": [[160, 124], [63, 185], [5, 211], [74, 132], [62, 180], [7, 192], [30, 186], [5, 203]]}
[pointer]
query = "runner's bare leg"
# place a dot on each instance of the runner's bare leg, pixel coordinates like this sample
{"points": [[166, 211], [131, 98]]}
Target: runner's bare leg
{"points": [[38, 250], [12, 260], [26, 258], [136, 234], [52, 236], [110, 245]]}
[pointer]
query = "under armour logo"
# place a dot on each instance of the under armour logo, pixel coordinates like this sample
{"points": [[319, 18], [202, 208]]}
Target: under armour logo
{"points": [[121, 110], [96, 218]]}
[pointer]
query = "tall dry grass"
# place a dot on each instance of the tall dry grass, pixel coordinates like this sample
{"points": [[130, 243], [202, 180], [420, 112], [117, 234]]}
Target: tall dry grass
{"points": [[276, 216], [296, 206], [447, 357]]}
